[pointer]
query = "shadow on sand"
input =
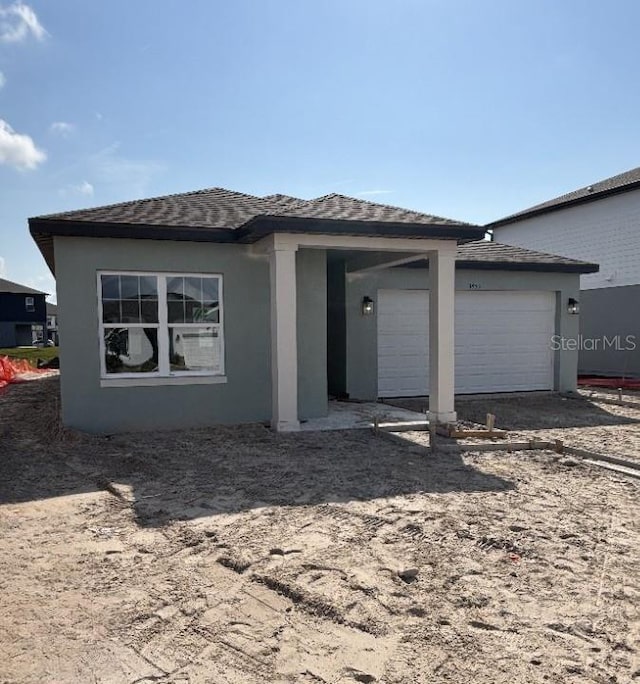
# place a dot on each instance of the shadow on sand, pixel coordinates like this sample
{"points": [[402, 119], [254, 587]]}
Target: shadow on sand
{"points": [[535, 411], [182, 475]]}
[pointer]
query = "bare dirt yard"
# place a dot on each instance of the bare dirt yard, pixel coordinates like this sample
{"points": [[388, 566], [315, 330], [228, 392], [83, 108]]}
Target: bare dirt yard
{"points": [[236, 555], [583, 421]]}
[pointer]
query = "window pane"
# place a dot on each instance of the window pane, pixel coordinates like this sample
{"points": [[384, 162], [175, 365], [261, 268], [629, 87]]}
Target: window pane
{"points": [[175, 289], [110, 286], [175, 311], [111, 312], [210, 289], [192, 312], [130, 311], [211, 312], [196, 349], [129, 287], [129, 299], [148, 287], [193, 289], [131, 350], [149, 311]]}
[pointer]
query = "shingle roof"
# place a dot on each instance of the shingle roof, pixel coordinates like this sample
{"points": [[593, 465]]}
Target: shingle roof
{"points": [[223, 209], [16, 288], [210, 208], [486, 255], [345, 208], [52, 309], [219, 215], [623, 182], [494, 255]]}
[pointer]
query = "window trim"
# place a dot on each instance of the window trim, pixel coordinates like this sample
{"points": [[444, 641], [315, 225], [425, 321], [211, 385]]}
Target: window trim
{"points": [[30, 304], [164, 375]]}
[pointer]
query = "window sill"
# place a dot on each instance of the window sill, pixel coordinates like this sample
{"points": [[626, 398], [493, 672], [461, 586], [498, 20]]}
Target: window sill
{"points": [[171, 380]]}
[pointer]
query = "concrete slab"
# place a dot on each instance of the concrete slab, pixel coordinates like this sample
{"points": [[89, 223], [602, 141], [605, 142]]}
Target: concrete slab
{"points": [[344, 415]]}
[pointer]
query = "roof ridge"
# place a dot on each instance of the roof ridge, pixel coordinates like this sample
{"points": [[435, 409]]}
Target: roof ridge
{"points": [[415, 212], [590, 187], [612, 184], [144, 200], [281, 194]]}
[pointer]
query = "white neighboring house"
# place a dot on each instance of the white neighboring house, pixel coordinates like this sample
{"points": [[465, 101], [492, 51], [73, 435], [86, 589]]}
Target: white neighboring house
{"points": [[599, 223]]}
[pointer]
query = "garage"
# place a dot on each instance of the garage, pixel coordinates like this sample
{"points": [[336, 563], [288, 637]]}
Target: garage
{"points": [[503, 341]]}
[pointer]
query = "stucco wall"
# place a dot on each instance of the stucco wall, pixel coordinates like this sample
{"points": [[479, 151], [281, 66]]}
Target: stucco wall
{"points": [[336, 328], [362, 352], [611, 317], [246, 397], [605, 232], [311, 266]]}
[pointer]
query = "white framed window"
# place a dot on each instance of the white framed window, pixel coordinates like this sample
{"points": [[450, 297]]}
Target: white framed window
{"points": [[159, 326], [30, 304]]}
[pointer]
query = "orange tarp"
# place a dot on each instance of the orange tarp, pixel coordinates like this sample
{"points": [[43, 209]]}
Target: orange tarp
{"points": [[16, 370]]}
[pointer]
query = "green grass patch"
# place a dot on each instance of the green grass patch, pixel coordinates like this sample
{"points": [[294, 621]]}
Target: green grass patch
{"points": [[32, 355]]}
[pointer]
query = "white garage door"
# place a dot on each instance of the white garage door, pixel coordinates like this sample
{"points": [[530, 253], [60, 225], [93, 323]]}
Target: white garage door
{"points": [[503, 342]]}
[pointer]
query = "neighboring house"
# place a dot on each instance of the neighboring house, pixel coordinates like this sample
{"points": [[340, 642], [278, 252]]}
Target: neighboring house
{"points": [[22, 314], [601, 223], [220, 307], [52, 323]]}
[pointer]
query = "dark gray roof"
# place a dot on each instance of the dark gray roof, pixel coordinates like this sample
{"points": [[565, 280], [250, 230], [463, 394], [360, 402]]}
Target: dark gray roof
{"points": [[623, 182], [52, 309], [211, 208], [494, 255], [345, 208], [219, 215], [222, 209], [16, 288]]}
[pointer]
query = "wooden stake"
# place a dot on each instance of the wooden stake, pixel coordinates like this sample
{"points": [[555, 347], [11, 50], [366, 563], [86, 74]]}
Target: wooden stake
{"points": [[432, 436]]}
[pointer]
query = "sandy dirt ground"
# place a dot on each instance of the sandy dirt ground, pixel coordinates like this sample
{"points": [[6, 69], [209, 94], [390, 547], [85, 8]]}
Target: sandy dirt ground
{"points": [[240, 556], [583, 421]]}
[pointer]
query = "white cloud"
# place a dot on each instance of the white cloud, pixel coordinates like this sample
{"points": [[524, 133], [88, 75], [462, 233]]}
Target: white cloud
{"points": [[84, 188], [18, 150], [375, 192], [3, 268], [18, 22], [44, 282], [133, 175], [62, 128], [3, 80]]}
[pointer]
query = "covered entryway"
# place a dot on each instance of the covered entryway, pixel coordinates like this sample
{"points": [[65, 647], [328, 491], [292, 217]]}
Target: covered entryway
{"points": [[282, 248], [502, 342]]}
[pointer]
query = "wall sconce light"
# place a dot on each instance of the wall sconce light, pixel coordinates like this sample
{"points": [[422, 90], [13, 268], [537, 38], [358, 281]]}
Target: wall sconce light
{"points": [[367, 306], [573, 306]]}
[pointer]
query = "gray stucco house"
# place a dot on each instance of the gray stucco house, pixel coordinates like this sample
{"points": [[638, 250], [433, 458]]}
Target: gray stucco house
{"points": [[221, 307], [599, 222]]}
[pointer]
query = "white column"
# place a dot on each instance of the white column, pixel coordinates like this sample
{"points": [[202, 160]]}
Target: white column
{"points": [[284, 339], [441, 335]]}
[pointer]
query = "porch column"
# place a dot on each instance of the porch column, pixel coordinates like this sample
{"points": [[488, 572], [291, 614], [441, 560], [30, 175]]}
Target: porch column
{"points": [[284, 338], [441, 335]]}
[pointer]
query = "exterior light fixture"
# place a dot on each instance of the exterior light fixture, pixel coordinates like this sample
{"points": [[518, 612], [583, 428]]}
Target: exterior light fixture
{"points": [[367, 306], [573, 306]]}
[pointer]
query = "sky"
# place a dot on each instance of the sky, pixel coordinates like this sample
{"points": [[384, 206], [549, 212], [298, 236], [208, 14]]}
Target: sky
{"points": [[460, 108]]}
